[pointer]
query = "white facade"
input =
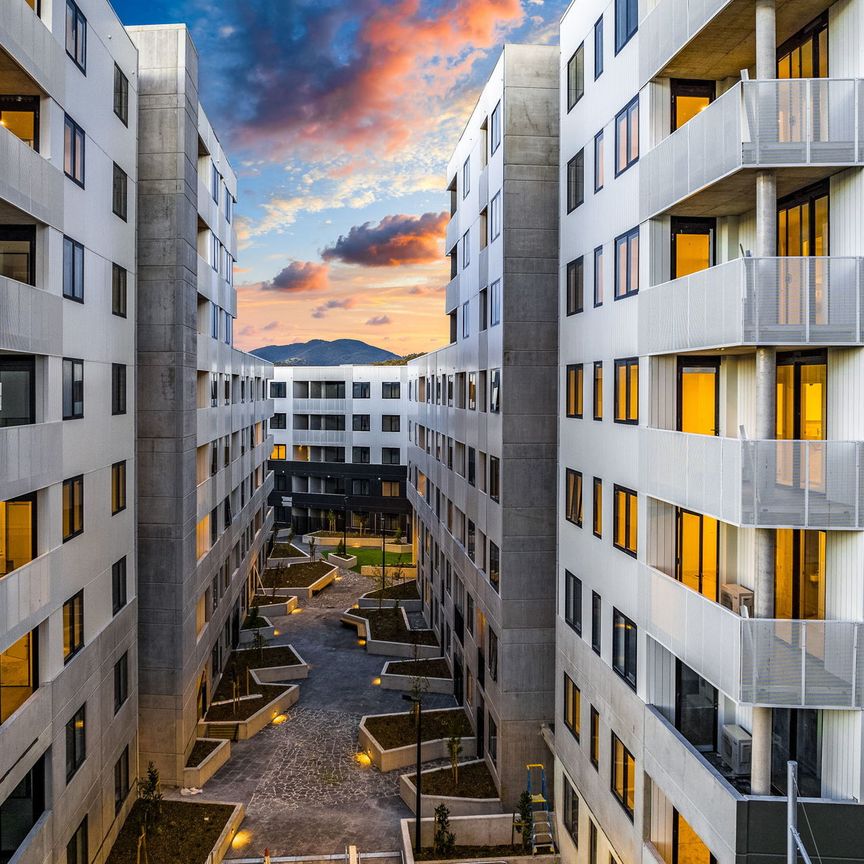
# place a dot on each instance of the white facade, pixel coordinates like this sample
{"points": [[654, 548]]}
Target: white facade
{"points": [[708, 457], [68, 729]]}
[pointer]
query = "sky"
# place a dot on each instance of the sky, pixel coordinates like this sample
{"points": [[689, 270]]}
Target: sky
{"points": [[339, 117]]}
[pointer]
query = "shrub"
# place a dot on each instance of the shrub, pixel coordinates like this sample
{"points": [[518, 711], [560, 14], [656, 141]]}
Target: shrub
{"points": [[444, 840]]}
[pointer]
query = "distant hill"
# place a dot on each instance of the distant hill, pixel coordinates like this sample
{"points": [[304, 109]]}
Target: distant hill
{"points": [[320, 352]]}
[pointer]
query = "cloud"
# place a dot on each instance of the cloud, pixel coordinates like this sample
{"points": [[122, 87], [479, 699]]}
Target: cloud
{"points": [[299, 277], [395, 240], [322, 310], [273, 325], [378, 320]]}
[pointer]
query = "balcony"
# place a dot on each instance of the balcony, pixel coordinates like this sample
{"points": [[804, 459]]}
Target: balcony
{"points": [[452, 234], [30, 458], [483, 265], [28, 181], [756, 301], [451, 298], [32, 45], [761, 484], [812, 125], [756, 661], [320, 436], [483, 189]]}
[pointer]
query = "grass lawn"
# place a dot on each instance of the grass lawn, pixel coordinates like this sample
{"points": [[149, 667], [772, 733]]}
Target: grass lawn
{"points": [[185, 833], [434, 668], [388, 625], [296, 575], [200, 751], [475, 781], [398, 730], [370, 556]]}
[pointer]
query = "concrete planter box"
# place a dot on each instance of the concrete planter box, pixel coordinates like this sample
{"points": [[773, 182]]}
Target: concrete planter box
{"points": [[354, 540], [297, 559], [456, 806], [223, 844], [241, 730], [267, 631], [367, 602], [276, 674], [202, 772], [278, 609], [388, 649], [345, 563], [409, 571], [318, 585], [405, 756], [392, 681]]}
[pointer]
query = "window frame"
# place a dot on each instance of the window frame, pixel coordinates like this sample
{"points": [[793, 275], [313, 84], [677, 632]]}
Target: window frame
{"points": [[495, 303], [596, 623], [494, 485], [574, 407], [75, 366], [74, 260], [119, 290], [121, 96], [626, 113], [495, 217], [573, 602], [119, 585], [576, 181], [495, 129], [570, 815], [466, 177], [578, 493], [594, 738], [78, 847], [598, 48], [391, 418], [118, 487], [627, 419], [118, 389], [599, 282], [624, 654], [571, 712], [78, 33], [627, 782], [597, 392], [631, 23], [75, 605], [618, 490], [597, 507], [119, 192], [121, 682], [599, 163], [575, 77], [121, 780], [630, 278], [575, 286], [77, 140], [391, 389]]}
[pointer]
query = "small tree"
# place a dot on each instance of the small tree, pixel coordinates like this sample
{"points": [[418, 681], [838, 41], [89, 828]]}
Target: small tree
{"points": [[526, 818], [362, 518], [454, 749], [150, 799], [259, 642], [313, 542], [341, 549], [331, 521], [444, 840], [290, 535]]}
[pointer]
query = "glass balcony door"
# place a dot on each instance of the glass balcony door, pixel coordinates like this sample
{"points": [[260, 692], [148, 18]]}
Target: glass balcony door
{"points": [[796, 733], [697, 552], [18, 253], [689, 97], [692, 246], [17, 390], [20, 115], [805, 55], [695, 708], [799, 575], [698, 395]]}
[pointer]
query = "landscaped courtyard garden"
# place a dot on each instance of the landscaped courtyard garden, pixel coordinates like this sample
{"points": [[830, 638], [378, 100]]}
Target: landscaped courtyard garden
{"points": [[295, 575], [388, 625], [398, 730]]}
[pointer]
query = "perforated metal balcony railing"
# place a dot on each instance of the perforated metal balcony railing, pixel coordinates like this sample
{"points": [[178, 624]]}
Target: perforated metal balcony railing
{"points": [[757, 661], [451, 234], [756, 301], [755, 124], [771, 484]]}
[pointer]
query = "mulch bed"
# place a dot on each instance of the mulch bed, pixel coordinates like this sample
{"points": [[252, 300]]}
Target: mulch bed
{"points": [[398, 730], [200, 752], [388, 625], [436, 668], [462, 852], [287, 550], [185, 833], [250, 623], [401, 591], [295, 575], [475, 781]]}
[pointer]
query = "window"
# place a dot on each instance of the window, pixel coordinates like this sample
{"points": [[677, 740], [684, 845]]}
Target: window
{"points": [[627, 135], [597, 509], [118, 388], [121, 95], [120, 193], [118, 290], [626, 22], [118, 487], [494, 565], [495, 220], [483, 309], [121, 779], [390, 488], [390, 390], [390, 456], [576, 181], [576, 76], [18, 253], [495, 131], [493, 740], [121, 682], [592, 841], [623, 776], [574, 390], [389, 422], [598, 276], [73, 270], [20, 115], [360, 422], [466, 329], [76, 35], [625, 520], [278, 390], [118, 585], [572, 707], [76, 742], [594, 748], [466, 177], [278, 453], [361, 390], [624, 647], [19, 675], [573, 497], [73, 389], [571, 812], [73, 151], [466, 250], [596, 622], [495, 305], [627, 264], [494, 478], [598, 47], [575, 281], [361, 455], [492, 659], [573, 601], [280, 421], [76, 849], [215, 180], [73, 507], [597, 397], [599, 173], [627, 390], [495, 391]]}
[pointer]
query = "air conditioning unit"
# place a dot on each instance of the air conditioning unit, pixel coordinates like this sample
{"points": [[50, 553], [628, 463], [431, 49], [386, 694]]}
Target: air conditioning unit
{"points": [[738, 599], [735, 749]]}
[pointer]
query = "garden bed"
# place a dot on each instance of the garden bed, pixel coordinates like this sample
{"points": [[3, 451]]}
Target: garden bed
{"points": [[202, 748], [261, 625], [391, 625], [306, 578], [186, 833], [207, 757], [286, 550], [278, 607], [434, 667], [402, 594], [475, 793]]}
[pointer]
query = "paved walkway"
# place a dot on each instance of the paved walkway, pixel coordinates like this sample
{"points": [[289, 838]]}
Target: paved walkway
{"points": [[304, 792]]}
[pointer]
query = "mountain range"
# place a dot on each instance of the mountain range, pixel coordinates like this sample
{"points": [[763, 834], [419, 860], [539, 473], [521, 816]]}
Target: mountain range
{"points": [[320, 352]]}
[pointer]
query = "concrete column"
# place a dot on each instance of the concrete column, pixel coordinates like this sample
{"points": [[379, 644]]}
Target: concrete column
{"points": [[766, 40]]}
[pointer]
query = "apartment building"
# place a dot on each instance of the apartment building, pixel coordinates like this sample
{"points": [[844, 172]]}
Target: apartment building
{"points": [[68, 654], [202, 409], [340, 442], [710, 538], [482, 425]]}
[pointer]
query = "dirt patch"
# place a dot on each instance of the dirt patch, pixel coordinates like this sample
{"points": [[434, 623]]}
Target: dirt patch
{"points": [[475, 781], [388, 625], [401, 591], [398, 730], [200, 752], [295, 575], [286, 550], [463, 852], [184, 834], [436, 668]]}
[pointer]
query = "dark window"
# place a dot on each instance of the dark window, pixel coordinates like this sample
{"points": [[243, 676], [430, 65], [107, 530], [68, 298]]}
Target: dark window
{"points": [[77, 848], [360, 455], [360, 423], [573, 601], [390, 390], [76, 35], [73, 507], [493, 740], [120, 193], [572, 707], [627, 136], [73, 270], [73, 151], [389, 422], [575, 382], [627, 390], [495, 391], [625, 519], [360, 487], [76, 742], [492, 659], [118, 487], [121, 95], [278, 390], [592, 842], [624, 647], [483, 308], [73, 389], [118, 585], [390, 456], [361, 390], [598, 276], [575, 285], [494, 566], [596, 622], [598, 48], [576, 181], [118, 290], [121, 779], [576, 76], [626, 22], [623, 776], [573, 497], [571, 812], [279, 421], [118, 388], [594, 743], [18, 253], [17, 390], [805, 55], [121, 682], [495, 131], [494, 478]]}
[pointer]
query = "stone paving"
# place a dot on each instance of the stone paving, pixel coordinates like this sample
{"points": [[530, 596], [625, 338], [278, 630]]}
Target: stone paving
{"points": [[305, 793]]}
